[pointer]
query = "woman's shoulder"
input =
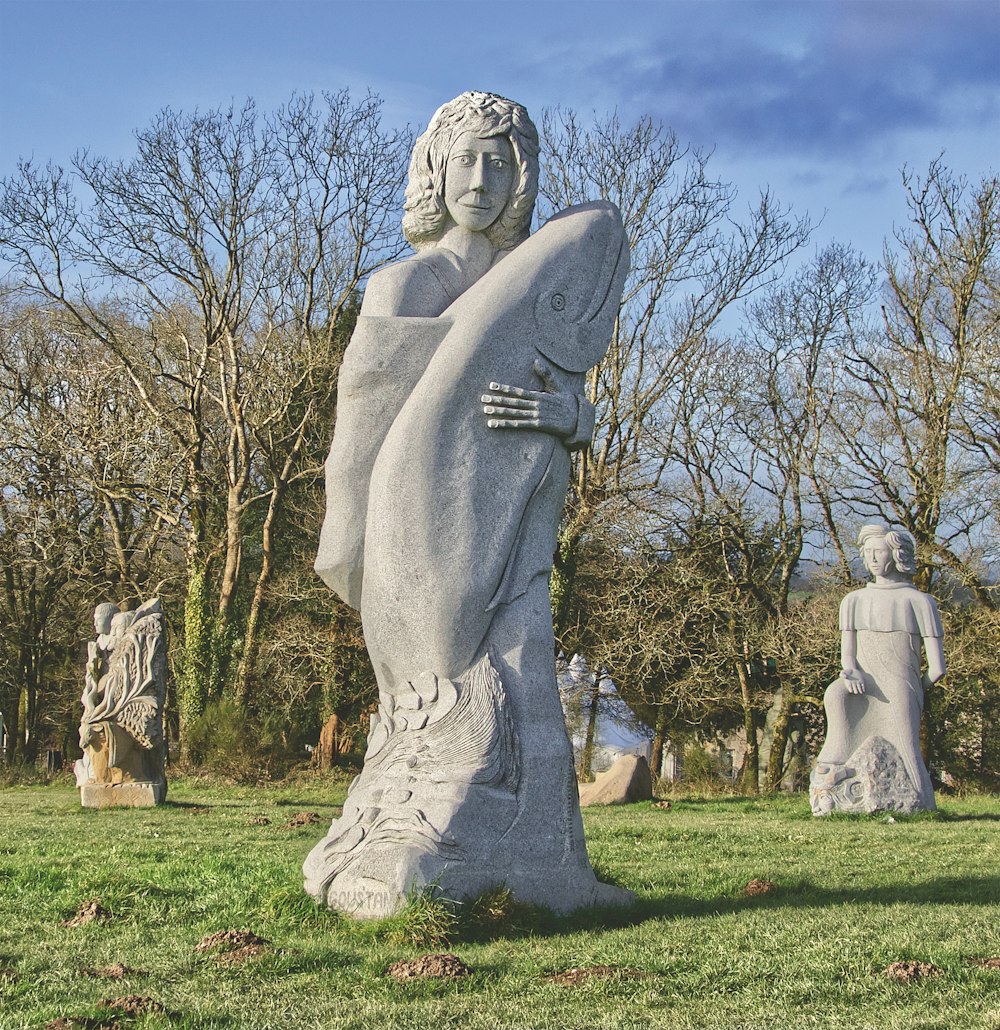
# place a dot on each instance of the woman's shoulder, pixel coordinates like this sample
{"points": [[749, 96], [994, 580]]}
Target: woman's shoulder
{"points": [[420, 286]]}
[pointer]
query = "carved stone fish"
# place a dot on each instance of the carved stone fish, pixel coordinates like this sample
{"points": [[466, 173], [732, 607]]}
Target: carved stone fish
{"points": [[461, 517]]}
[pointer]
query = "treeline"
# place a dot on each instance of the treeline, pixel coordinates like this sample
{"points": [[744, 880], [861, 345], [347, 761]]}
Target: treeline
{"points": [[170, 335]]}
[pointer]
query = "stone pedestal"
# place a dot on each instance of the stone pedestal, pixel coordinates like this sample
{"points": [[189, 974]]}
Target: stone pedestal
{"points": [[122, 795]]}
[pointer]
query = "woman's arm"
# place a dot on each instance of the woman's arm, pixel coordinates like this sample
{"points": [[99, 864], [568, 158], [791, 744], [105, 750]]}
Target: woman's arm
{"points": [[934, 649], [850, 673]]}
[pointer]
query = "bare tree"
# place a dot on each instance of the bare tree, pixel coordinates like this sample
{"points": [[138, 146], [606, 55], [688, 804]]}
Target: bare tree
{"points": [[692, 259], [914, 425], [215, 266]]}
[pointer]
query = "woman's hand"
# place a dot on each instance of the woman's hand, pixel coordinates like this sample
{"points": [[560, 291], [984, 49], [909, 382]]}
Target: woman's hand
{"points": [[854, 680], [553, 409]]}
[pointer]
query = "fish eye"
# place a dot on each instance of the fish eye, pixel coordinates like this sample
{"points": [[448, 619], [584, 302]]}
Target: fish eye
{"points": [[558, 302]]}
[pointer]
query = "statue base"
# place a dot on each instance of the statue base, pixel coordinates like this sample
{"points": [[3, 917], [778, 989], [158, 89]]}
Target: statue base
{"points": [[123, 795], [873, 779]]}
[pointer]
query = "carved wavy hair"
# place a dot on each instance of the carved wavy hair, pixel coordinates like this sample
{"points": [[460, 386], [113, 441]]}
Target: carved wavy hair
{"points": [[487, 115], [900, 543]]}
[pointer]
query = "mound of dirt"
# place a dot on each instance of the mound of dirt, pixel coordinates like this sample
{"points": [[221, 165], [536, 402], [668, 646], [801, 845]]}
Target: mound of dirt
{"points": [[755, 888], [302, 819], [133, 1005], [91, 911], [234, 946], [581, 974], [428, 967], [259, 820], [910, 970], [665, 803], [114, 972], [983, 963]]}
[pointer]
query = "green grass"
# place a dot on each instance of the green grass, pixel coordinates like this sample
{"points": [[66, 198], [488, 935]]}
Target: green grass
{"points": [[854, 894]]}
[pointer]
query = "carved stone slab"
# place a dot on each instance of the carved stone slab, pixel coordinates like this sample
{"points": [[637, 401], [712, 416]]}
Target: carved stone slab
{"points": [[121, 730], [873, 779]]}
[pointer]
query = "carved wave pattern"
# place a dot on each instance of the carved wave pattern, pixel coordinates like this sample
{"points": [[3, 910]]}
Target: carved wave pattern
{"points": [[447, 731], [436, 731]]}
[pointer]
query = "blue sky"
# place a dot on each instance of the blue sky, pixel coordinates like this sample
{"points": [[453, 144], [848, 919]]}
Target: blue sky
{"points": [[821, 100]]}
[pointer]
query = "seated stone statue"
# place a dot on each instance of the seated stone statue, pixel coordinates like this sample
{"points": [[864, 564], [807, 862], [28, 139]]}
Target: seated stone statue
{"points": [[121, 731], [871, 759]]}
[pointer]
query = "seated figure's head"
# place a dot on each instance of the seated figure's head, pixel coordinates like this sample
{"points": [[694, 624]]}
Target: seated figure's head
{"points": [[886, 549], [487, 116], [103, 614]]}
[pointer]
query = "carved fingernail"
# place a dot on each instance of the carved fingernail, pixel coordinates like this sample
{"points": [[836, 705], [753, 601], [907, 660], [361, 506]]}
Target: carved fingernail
{"points": [[493, 423]]}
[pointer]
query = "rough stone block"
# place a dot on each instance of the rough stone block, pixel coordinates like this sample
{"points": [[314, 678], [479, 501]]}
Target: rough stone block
{"points": [[122, 795], [628, 780]]}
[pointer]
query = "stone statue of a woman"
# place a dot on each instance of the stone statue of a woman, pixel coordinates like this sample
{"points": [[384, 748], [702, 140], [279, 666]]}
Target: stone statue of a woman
{"points": [[871, 759], [459, 399]]}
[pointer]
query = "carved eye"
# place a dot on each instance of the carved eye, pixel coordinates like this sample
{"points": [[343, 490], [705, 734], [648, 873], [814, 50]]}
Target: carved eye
{"points": [[558, 302]]}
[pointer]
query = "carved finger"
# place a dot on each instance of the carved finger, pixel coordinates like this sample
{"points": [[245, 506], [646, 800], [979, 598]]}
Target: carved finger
{"points": [[511, 391], [507, 412], [509, 423], [510, 402]]}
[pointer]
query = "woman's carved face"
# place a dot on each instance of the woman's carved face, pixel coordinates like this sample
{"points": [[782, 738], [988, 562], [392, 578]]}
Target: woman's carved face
{"points": [[478, 180], [878, 557]]}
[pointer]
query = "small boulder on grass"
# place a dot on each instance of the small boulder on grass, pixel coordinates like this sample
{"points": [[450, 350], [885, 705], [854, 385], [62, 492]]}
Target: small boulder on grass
{"points": [[91, 911], [910, 971], [628, 780], [426, 967]]}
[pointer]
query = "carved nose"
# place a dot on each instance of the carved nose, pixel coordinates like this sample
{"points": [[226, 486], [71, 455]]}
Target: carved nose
{"points": [[478, 182]]}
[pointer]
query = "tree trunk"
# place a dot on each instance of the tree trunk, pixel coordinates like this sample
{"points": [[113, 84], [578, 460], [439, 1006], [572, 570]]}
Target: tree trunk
{"points": [[12, 725], [241, 687], [196, 663], [587, 758], [659, 741], [779, 742], [329, 744], [751, 765]]}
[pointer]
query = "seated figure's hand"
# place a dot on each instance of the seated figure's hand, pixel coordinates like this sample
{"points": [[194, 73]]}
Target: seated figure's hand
{"points": [[553, 409], [854, 680]]}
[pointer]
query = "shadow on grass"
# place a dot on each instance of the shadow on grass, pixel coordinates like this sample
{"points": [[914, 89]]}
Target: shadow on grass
{"points": [[983, 817], [804, 894]]}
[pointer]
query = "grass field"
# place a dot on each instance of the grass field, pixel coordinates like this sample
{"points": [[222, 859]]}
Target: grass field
{"points": [[852, 896]]}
